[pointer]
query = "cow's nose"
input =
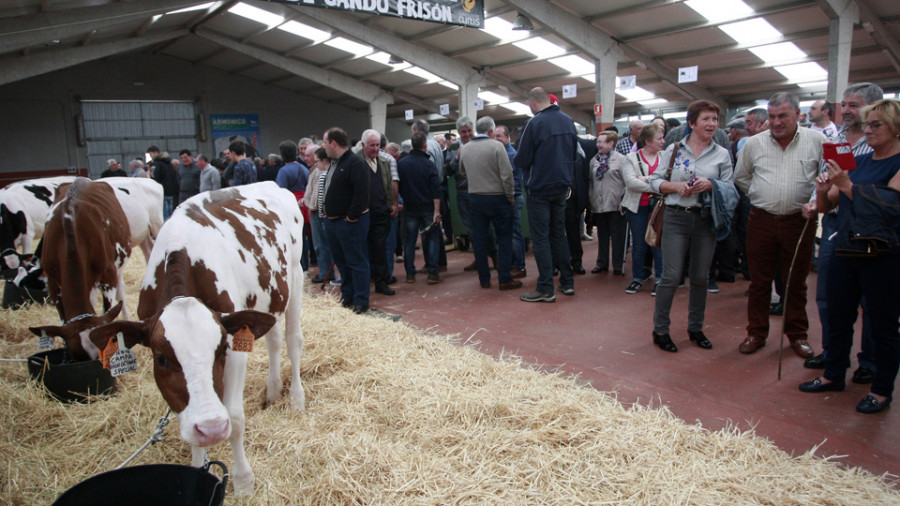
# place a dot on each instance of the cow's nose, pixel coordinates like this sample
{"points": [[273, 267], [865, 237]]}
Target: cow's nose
{"points": [[211, 431]]}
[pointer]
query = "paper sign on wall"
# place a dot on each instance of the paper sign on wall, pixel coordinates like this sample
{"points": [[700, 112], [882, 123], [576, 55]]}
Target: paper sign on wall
{"points": [[627, 82], [445, 109], [570, 90], [409, 114], [687, 74], [479, 104]]}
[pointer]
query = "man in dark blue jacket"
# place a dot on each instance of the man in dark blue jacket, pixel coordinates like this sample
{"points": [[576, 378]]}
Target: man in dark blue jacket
{"points": [[420, 188], [546, 154]]}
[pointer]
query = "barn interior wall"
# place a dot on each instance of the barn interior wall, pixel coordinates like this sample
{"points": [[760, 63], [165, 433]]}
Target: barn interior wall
{"points": [[38, 122]]}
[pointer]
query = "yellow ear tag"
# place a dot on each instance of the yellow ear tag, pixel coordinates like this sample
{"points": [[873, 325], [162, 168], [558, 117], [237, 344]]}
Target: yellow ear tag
{"points": [[243, 340], [106, 353]]}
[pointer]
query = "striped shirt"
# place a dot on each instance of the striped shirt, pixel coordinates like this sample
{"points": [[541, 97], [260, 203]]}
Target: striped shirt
{"points": [[779, 181], [320, 190]]}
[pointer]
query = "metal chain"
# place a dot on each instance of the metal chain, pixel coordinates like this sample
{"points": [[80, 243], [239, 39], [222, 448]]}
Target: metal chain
{"points": [[154, 438]]}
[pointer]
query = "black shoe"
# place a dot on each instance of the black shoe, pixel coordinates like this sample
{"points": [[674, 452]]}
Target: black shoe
{"points": [[618, 273], [347, 302], [864, 376], [360, 309], [664, 342], [700, 339], [870, 405], [816, 385], [598, 270], [317, 280], [385, 290], [577, 269], [392, 280], [777, 309], [817, 362]]}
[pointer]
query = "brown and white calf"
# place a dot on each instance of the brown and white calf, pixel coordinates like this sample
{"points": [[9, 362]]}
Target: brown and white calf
{"points": [[224, 260], [87, 241]]}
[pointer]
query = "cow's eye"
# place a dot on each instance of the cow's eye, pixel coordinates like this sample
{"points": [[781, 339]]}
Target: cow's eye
{"points": [[162, 361]]}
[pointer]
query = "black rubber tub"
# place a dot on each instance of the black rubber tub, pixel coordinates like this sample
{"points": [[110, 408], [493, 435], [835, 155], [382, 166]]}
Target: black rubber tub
{"points": [[15, 297], [156, 484], [70, 381]]}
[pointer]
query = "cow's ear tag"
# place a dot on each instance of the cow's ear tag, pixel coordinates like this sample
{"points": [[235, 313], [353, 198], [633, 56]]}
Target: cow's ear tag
{"points": [[122, 360], [109, 350], [45, 342], [243, 340]]}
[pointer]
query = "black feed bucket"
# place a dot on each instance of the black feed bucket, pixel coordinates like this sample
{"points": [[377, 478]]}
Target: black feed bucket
{"points": [[157, 484], [70, 381], [15, 297]]}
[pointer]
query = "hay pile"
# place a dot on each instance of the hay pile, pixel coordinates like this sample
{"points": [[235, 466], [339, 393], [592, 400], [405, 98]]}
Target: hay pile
{"points": [[398, 417]]}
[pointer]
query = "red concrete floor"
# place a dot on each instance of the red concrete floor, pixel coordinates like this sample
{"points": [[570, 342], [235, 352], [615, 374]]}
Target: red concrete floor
{"points": [[603, 335]]}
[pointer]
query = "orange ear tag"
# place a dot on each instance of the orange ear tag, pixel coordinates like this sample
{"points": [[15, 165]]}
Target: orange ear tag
{"points": [[106, 353], [243, 340]]}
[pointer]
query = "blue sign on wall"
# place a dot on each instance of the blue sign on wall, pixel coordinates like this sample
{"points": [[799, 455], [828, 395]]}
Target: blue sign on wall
{"points": [[234, 127]]}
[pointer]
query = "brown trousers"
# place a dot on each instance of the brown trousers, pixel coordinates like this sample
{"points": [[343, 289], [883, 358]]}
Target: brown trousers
{"points": [[771, 242]]}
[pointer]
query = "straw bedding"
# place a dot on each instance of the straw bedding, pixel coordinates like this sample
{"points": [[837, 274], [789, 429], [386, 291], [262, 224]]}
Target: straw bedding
{"points": [[395, 416]]}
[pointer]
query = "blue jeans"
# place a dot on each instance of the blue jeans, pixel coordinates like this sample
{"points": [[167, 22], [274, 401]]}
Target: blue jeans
{"points": [[486, 210], [168, 206], [348, 245], [684, 233], [320, 243], [547, 221], [518, 240], [430, 241], [637, 222], [877, 279]]}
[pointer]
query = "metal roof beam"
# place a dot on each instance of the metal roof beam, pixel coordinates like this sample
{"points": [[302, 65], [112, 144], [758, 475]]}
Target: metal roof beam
{"points": [[20, 32], [344, 84], [49, 61]]}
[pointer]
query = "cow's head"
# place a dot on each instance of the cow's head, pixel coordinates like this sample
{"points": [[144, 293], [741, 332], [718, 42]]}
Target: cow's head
{"points": [[189, 343], [76, 333], [12, 227]]}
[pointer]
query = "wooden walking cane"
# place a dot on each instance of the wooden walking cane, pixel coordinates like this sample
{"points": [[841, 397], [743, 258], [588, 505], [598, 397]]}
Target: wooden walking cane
{"points": [[327, 275], [787, 286]]}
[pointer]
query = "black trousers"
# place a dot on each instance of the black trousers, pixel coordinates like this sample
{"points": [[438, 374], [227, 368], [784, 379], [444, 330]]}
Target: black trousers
{"points": [[379, 228], [573, 231]]}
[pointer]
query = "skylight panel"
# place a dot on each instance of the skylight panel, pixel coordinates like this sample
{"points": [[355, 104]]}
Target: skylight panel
{"points": [[354, 48], [803, 72], [384, 59], [590, 77], [207, 5], [783, 51], [635, 94], [814, 84], [717, 11], [575, 64], [750, 31], [502, 29], [424, 74], [256, 14], [307, 32], [540, 47], [492, 98], [448, 84], [652, 101], [518, 108]]}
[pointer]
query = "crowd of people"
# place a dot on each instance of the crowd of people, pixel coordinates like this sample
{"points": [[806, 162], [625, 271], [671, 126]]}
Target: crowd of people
{"points": [[743, 200]]}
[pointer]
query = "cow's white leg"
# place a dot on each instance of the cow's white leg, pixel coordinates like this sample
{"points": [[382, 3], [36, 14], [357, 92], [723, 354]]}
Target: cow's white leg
{"points": [[294, 337], [120, 293], [233, 398], [146, 247], [273, 344]]}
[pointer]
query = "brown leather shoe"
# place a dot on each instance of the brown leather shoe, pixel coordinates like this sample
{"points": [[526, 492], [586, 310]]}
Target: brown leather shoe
{"points": [[471, 267], [512, 285], [751, 344], [802, 349], [518, 274]]}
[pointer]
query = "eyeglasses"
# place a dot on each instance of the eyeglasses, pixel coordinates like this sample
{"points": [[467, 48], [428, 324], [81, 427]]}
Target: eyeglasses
{"points": [[875, 125]]}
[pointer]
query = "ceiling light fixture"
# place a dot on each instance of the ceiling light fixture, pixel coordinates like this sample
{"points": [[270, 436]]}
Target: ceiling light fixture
{"points": [[522, 22]]}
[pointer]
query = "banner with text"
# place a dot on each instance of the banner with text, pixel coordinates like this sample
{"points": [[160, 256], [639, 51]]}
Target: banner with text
{"points": [[453, 12], [234, 127]]}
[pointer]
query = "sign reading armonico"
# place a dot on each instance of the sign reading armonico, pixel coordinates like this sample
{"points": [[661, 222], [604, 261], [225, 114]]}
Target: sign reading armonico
{"points": [[454, 12]]}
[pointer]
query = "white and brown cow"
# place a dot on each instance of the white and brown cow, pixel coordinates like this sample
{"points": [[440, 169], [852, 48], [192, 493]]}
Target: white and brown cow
{"points": [[86, 243], [224, 260], [23, 209]]}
